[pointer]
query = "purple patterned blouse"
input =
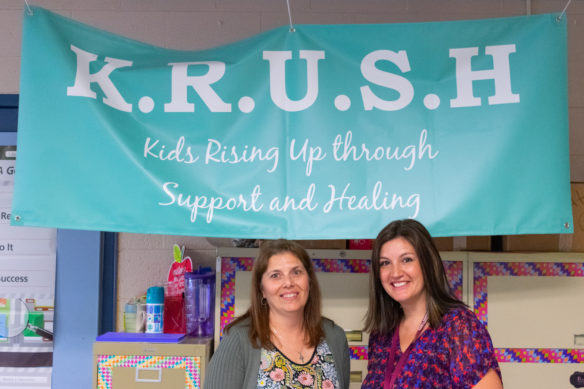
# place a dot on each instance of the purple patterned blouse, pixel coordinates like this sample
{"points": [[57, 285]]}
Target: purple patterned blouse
{"points": [[456, 354]]}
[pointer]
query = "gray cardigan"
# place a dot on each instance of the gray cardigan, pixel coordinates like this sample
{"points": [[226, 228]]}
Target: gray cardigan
{"points": [[235, 364]]}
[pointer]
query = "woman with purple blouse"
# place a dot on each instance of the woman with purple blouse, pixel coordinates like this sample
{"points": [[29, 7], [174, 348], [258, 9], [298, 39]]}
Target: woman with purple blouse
{"points": [[420, 335]]}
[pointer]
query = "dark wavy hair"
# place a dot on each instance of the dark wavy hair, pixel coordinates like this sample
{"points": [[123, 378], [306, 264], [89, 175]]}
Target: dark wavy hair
{"points": [[384, 313], [258, 314]]}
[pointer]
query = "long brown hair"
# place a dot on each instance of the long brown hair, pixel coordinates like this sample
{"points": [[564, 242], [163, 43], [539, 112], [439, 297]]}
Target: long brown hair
{"points": [[384, 313], [258, 313]]}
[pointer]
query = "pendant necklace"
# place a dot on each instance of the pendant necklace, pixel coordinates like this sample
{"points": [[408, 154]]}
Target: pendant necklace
{"points": [[300, 356]]}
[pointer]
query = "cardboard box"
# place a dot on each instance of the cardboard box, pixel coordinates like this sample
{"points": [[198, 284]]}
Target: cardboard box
{"points": [[532, 243], [444, 243], [459, 243], [577, 241], [463, 243], [337, 244]]}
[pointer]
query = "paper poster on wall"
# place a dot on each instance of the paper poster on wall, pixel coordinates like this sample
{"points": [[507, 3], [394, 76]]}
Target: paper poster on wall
{"points": [[27, 292]]}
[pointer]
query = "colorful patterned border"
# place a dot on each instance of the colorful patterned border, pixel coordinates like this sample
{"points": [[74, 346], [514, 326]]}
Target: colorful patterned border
{"points": [[358, 352], [105, 364], [540, 355], [481, 272], [230, 266], [454, 274]]}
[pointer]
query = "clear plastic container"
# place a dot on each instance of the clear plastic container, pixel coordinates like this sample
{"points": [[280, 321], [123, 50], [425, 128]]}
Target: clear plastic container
{"points": [[130, 317], [174, 310], [200, 303]]}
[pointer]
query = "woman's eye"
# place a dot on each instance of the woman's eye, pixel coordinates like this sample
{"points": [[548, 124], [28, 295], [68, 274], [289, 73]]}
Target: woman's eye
{"points": [[274, 275], [383, 263], [408, 259]]}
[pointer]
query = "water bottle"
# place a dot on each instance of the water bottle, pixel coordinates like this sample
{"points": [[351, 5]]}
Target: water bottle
{"points": [[154, 309], [200, 303]]}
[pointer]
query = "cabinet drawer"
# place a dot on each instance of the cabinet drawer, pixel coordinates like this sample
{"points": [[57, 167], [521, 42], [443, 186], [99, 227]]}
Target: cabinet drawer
{"points": [[146, 371]]}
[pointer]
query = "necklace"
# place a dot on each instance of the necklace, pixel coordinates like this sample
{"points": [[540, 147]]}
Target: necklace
{"points": [[419, 330], [300, 356], [423, 322]]}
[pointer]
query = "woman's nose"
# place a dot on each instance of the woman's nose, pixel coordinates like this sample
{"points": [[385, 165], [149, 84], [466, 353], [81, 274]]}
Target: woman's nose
{"points": [[288, 280], [396, 271]]}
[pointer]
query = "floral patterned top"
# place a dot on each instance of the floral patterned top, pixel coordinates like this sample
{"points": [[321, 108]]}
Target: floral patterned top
{"points": [[455, 355], [279, 372]]}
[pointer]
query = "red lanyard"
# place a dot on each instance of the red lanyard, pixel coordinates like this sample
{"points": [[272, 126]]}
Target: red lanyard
{"points": [[391, 374]]}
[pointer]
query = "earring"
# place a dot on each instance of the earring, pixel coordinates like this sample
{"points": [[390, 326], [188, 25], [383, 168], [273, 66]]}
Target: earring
{"points": [[264, 302]]}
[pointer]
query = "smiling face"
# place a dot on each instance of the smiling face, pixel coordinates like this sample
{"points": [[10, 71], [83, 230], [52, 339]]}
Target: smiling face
{"points": [[285, 284], [400, 273]]}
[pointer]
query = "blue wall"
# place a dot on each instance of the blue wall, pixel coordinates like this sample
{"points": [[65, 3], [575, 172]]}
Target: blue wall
{"points": [[76, 307]]}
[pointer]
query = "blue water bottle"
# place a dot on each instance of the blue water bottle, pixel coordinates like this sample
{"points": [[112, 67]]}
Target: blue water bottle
{"points": [[154, 309]]}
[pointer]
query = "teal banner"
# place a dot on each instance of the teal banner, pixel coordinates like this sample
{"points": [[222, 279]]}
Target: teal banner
{"points": [[323, 132]]}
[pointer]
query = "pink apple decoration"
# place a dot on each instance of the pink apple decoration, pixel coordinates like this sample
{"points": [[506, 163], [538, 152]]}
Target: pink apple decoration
{"points": [[176, 273]]}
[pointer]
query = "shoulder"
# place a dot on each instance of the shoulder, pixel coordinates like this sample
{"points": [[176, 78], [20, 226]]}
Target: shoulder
{"points": [[380, 338], [460, 318], [378, 344], [469, 346], [331, 329], [465, 332], [237, 335], [336, 338], [235, 361], [239, 328], [234, 347]]}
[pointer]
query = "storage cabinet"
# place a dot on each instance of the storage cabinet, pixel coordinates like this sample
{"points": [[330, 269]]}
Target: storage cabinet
{"points": [[142, 365], [532, 306]]}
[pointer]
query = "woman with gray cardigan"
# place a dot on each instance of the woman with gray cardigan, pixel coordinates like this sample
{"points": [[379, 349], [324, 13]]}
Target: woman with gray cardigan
{"points": [[282, 341]]}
